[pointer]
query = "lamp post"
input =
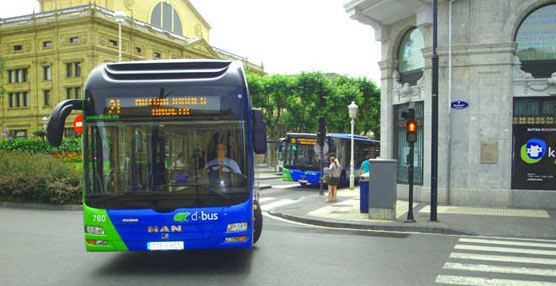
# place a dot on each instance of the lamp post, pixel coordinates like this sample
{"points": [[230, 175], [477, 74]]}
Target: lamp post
{"points": [[44, 122], [119, 16], [352, 114]]}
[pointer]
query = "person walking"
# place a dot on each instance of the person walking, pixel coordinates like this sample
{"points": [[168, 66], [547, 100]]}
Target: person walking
{"points": [[335, 169]]}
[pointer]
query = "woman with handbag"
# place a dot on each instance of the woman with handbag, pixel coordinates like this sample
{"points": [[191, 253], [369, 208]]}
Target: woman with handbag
{"points": [[334, 170]]}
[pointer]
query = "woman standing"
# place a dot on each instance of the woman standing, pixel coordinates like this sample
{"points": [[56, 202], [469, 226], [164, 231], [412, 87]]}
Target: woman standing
{"points": [[335, 169]]}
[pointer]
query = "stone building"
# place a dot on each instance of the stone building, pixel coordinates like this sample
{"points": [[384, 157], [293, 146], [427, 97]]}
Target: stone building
{"points": [[48, 55], [497, 96]]}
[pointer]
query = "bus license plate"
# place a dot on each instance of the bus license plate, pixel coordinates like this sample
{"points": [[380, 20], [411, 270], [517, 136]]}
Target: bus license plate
{"points": [[165, 245], [303, 181]]}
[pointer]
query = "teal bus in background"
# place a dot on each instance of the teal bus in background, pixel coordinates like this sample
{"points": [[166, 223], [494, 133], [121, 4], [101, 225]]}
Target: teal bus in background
{"points": [[167, 156], [302, 163]]}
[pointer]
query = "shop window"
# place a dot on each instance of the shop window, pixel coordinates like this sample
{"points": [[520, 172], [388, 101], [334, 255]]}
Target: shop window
{"points": [[410, 58], [536, 47]]}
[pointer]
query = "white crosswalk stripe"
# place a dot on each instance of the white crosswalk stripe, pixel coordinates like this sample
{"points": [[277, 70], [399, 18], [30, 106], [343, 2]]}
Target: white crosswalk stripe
{"points": [[285, 186], [268, 203], [497, 261]]}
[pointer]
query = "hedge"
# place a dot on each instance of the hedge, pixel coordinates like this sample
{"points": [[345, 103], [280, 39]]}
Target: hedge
{"points": [[37, 178], [69, 145]]}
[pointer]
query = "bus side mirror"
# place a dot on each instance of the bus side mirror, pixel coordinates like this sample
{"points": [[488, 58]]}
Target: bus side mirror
{"points": [[56, 121], [259, 131]]}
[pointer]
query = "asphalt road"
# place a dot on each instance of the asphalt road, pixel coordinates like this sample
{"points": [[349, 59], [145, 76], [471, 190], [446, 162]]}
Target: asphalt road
{"points": [[46, 248]]}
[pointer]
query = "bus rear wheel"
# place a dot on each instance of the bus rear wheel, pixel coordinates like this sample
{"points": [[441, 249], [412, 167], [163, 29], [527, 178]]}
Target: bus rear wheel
{"points": [[257, 222]]}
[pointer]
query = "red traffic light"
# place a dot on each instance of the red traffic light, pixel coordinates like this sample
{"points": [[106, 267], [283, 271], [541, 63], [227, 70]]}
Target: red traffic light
{"points": [[411, 126]]}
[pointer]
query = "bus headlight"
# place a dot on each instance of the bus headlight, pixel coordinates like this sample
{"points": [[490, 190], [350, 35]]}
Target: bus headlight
{"points": [[233, 227], [95, 230]]}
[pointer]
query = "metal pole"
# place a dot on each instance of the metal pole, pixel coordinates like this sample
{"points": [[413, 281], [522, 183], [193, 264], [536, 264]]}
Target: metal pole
{"points": [[321, 169], [410, 218], [351, 167], [434, 114], [119, 42]]}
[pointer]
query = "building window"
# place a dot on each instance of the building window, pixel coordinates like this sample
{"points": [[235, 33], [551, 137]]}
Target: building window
{"points": [[401, 146], [70, 132], [18, 48], [113, 43], [18, 75], [166, 17], [410, 59], [77, 92], [46, 44], [74, 40], [46, 97], [138, 50], [73, 69], [19, 99], [533, 140], [17, 134], [47, 73], [12, 99], [536, 47], [68, 92], [156, 55]]}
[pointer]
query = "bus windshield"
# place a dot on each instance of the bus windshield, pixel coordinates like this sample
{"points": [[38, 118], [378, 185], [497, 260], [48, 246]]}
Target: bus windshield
{"points": [[300, 152], [165, 165]]}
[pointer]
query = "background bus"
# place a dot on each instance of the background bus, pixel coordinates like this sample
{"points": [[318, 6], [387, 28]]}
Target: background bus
{"points": [[168, 156], [302, 163]]}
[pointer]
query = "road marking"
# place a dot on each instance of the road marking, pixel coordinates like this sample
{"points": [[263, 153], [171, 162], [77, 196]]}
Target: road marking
{"points": [[266, 199], [488, 211], [499, 269], [505, 249], [476, 281], [285, 186], [514, 243], [266, 207], [501, 258]]}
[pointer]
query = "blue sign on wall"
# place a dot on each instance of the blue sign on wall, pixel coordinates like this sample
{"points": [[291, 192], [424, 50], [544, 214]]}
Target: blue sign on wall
{"points": [[459, 104]]}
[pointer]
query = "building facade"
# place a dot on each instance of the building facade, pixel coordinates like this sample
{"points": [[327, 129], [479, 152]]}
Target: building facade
{"points": [[497, 96], [47, 56]]}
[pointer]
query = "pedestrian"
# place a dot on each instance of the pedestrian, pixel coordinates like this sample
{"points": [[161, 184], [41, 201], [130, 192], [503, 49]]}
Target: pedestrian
{"points": [[335, 169], [365, 168]]}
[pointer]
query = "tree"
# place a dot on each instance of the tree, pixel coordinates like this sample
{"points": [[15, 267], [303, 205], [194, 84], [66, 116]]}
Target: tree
{"points": [[294, 103]]}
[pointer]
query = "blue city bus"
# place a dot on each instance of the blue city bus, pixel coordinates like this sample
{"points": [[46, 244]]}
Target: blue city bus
{"points": [[167, 156], [302, 163]]}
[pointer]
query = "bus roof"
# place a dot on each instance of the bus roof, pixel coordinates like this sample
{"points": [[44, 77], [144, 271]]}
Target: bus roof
{"points": [[334, 135]]}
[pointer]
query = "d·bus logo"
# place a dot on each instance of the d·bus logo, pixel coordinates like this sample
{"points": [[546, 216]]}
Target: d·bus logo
{"points": [[196, 216], [534, 150]]}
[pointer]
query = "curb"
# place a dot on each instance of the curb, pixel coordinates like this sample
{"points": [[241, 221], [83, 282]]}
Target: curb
{"points": [[264, 186], [41, 206], [353, 225]]}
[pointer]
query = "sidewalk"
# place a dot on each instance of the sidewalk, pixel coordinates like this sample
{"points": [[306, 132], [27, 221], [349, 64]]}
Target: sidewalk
{"points": [[526, 223]]}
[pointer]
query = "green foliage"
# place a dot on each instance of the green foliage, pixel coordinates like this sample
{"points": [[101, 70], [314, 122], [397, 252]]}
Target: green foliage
{"points": [[294, 103], [69, 145], [37, 178]]}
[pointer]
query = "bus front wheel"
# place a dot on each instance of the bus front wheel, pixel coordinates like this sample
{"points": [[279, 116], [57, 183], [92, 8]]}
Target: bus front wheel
{"points": [[257, 222]]}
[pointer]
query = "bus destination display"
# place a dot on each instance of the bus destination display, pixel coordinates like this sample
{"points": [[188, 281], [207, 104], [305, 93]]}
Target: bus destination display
{"points": [[171, 106]]}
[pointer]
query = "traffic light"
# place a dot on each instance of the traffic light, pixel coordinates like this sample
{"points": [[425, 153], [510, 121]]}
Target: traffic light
{"points": [[410, 125], [321, 135]]}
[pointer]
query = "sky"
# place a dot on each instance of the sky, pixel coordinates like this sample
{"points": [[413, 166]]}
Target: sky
{"points": [[287, 36]]}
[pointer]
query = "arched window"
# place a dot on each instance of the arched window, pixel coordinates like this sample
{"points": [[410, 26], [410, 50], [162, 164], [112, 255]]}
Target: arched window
{"points": [[166, 17], [410, 59], [536, 44]]}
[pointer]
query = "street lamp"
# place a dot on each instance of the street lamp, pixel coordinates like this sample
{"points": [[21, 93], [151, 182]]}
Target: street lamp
{"points": [[44, 122], [352, 114], [119, 16]]}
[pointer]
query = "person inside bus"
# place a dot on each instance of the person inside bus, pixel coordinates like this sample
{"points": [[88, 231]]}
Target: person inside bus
{"points": [[178, 169], [221, 168], [334, 170]]}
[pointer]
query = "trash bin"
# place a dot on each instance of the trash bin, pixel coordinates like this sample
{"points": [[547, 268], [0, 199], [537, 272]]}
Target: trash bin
{"points": [[364, 196]]}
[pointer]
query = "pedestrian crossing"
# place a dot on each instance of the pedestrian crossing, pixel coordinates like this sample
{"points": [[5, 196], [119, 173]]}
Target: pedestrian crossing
{"points": [[500, 261], [268, 203]]}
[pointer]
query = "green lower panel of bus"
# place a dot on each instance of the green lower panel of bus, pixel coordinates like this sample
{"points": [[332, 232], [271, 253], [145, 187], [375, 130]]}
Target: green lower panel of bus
{"points": [[286, 176], [100, 234]]}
